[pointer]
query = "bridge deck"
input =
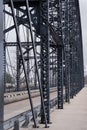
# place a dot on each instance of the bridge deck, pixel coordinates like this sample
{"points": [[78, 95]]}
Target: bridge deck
{"points": [[73, 117]]}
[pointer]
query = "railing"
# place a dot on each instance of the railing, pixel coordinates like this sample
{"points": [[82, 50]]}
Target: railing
{"points": [[25, 116]]}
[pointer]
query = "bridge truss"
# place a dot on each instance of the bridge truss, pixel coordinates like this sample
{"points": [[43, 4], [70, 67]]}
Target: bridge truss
{"points": [[46, 33]]}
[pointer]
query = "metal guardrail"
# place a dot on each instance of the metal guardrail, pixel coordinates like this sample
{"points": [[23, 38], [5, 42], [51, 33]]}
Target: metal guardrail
{"points": [[22, 117]]}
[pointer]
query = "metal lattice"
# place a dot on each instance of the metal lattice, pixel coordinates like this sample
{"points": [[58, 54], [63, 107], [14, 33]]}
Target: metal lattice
{"points": [[48, 44]]}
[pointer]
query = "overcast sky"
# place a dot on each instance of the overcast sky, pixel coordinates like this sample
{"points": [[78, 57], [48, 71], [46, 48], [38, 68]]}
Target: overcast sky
{"points": [[83, 10]]}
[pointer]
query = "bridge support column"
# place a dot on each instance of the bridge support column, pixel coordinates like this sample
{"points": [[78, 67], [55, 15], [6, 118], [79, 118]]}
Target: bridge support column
{"points": [[1, 67], [44, 32], [60, 76]]}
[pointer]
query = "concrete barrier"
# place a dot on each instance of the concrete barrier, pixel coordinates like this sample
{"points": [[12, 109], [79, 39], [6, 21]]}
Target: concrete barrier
{"points": [[22, 95]]}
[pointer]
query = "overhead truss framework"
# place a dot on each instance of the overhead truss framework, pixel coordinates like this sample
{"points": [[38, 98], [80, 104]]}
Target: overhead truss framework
{"points": [[47, 33]]}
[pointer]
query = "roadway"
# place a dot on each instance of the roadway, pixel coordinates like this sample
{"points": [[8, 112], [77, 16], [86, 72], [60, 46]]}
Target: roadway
{"points": [[13, 109]]}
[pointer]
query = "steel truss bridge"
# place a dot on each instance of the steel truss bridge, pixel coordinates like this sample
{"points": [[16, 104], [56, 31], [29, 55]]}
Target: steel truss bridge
{"points": [[47, 38]]}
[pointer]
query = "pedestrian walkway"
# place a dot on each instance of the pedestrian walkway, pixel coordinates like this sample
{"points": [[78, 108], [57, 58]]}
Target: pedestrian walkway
{"points": [[72, 117]]}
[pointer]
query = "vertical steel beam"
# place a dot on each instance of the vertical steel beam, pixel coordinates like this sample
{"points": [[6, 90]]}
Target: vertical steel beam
{"points": [[18, 68], [44, 32], [60, 58], [4, 57], [65, 29], [28, 65], [60, 76], [18, 60], [1, 67]]}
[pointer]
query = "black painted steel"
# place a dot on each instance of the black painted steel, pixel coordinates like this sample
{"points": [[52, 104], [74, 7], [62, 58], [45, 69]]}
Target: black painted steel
{"points": [[60, 77], [23, 62], [34, 50], [44, 32]]}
